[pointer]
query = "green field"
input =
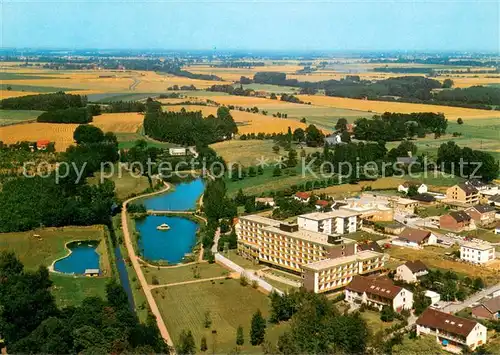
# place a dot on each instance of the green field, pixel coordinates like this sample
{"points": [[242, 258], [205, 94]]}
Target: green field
{"points": [[8, 117], [271, 88], [230, 305], [184, 273], [33, 88], [71, 290], [127, 141], [23, 76], [120, 96]]}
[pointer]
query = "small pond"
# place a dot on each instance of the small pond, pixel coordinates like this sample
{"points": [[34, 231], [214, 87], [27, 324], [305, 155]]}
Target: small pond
{"points": [[167, 245], [183, 198], [83, 256]]}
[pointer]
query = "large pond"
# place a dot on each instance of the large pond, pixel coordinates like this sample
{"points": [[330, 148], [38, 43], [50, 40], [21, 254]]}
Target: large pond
{"points": [[167, 245], [83, 256], [184, 197]]}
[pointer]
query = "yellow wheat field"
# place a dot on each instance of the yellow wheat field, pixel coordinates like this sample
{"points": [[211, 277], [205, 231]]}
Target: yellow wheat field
{"points": [[61, 134], [128, 122], [5, 94], [247, 122], [383, 106]]}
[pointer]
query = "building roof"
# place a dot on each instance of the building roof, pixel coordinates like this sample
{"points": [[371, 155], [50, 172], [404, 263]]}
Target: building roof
{"points": [[329, 263], [303, 195], [42, 142], [414, 235], [322, 203], [380, 287], [91, 271], [484, 208], [424, 198], [406, 160], [447, 322], [320, 216], [460, 216], [260, 219], [476, 183], [306, 235], [403, 201], [478, 246], [373, 246], [492, 305], [495, 198], [468, 189], [416, 266]]}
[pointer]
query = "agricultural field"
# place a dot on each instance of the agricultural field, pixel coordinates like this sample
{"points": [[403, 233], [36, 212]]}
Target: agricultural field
{"points": [[348, 190], [127, 122], [6, 94], [434, 258], [128, 140], [230, 304], [248, 152], [8, 117], [60, 133], [234, 74], [247, 122], [451, 113], [167, 275]]}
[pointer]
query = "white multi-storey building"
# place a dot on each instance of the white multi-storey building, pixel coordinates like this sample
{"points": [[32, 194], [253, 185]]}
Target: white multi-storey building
{"points": [[477, 253], [334, 222]]}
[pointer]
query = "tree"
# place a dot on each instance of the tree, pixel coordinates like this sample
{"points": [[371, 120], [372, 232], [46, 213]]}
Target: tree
{"points": [[412, 190], [276, 149], [292, 158], [240, 340], [88, 134], [207, 321], [203, 344], [299, 135], [460, 120], [341, 125], [447, 83], [478, 283], [277, 171], [273, 96], [420, 302], [257, 329], [387, 314], [421, 345], [314, 137], [186, 343]]}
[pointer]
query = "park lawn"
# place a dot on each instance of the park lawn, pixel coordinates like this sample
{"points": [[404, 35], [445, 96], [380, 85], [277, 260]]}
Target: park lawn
{"points": [[17, 116], [285, 274], [280, 285], [241, 261], [433, 257], [34, 252], [184, 273], [230, 304], [373, 321], [71, 290]]}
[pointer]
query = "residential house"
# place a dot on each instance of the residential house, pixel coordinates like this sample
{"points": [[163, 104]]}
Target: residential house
{"points": [[406, 160], [433, 296], [483, 215], [394, 228], [415, 238], [465, 194], [321, 204], [404, 205], [456, 221], [489, 309], [495, 200], [424, 199], [269, 201], [42, 144], [421, 188], [411, 271], [177, 151], [378, 293], [373, 246], [302, 197], [333, 222], [451, 330], [334, 139], [477, 253], [477, 184]]}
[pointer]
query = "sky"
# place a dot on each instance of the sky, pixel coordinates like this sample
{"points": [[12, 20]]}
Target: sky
{"points": [[329, 25]]}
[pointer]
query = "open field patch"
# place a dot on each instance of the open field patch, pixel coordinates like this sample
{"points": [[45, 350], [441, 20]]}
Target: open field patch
{"points": [[60, 133], [71, 291], [230, 305], [119, 122], [8, 117], [452, 113], [190, 272]]}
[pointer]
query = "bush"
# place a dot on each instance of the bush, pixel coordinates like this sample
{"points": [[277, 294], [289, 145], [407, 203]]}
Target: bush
{"points": [[243, 280]]}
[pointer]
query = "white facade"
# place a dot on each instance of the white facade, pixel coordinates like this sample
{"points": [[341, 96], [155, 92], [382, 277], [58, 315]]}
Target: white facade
{"points": [[476, 337], [422, 189], [432, 240], [433, 296], [477, 253], [404, 273], [403, 300], [335, 222], [177, 151]]}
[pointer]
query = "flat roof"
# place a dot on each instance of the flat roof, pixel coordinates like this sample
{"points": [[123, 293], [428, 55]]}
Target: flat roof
{"points": [[309, 236], [368, 254], [260, 219], [319, 216], [328, 263], [478, 246]]}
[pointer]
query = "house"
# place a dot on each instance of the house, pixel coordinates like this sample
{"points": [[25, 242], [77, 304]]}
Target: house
{"points": [[405, 187], [373, 246], [489, 309], [334, 139], [42, 144], [411, 271], [373, 208], [378, 293], [451, 330], [406, 160], [91, 272], [483, 215], [302, 197], [465, 194], [415, 238], [321, 204], [477, 253], [177, 151], [334, 222], [404, 205], [477, 184], [394, 228], [424, 199], [495, 200], [456, 221], [433, 296], [269, 201]]}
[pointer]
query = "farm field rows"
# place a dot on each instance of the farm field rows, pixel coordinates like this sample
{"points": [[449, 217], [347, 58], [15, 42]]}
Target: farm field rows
{"points": [[230, 304], [17, 116], [128, 122]]}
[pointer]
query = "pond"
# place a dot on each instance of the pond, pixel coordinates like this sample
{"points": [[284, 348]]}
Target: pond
{"points": [[184, 197], [168, 245], [83, 256]]}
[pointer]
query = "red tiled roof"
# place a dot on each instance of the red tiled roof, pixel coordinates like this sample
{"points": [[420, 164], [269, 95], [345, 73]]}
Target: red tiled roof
{"points": [[433, 318], [322, 203], [42, 142], [303, 195], [380, 287]]}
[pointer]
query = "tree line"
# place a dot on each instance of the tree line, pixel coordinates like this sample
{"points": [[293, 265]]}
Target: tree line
{"points": [[44, 102], [31, 322], [69, 115]]}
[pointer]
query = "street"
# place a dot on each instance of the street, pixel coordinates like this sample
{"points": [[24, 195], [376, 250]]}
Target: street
{"points": [[456, 307]]}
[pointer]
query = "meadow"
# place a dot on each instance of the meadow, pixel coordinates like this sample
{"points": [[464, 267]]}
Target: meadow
{"points": [[230, 304], [8, 117], [184, 273]]}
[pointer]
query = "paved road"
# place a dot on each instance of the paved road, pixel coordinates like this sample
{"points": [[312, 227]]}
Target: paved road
{"points": [[453, 308], [140, 275], [216, 240]]}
